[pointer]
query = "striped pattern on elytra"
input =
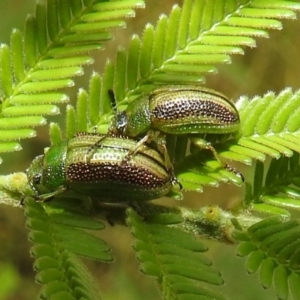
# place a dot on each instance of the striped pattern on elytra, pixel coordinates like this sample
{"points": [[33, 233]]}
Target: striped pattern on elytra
{"points": [[106, 172]]}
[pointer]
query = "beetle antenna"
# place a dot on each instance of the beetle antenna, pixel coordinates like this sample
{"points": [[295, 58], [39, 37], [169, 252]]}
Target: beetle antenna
{"points": [[113, 101]]}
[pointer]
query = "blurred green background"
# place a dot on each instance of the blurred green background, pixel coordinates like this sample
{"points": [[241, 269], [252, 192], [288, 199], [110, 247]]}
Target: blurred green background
{"points": [[272, 66]]}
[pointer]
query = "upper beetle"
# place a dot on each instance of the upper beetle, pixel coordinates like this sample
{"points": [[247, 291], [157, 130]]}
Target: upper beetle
{"points": [[178, 110]]}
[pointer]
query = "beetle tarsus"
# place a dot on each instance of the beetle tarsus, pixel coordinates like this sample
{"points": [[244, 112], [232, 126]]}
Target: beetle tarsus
{"points": [[235, 171]]}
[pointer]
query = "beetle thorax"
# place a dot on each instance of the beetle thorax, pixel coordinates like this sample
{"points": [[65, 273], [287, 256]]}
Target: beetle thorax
{"points": [[54, 173]]}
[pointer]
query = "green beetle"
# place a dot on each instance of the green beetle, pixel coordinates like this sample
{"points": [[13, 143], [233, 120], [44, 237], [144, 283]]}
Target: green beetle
{"points": [[102, 171], [178, 110]]}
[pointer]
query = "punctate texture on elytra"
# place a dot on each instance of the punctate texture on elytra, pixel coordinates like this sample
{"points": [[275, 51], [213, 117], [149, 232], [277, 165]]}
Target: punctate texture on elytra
{"points": [[178, 110], [99, 166]]}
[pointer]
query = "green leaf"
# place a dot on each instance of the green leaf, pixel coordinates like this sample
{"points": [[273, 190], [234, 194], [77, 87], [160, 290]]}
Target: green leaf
{"points": [[6, 76], [281, 282], [294, 280], [94, 95], [270, 209], [82, 101], [56, 74], [84, 244], [119, 83], [274, 247], [279, 189], [55, 134], [57, 43], [45, 86], [41, 27], [245, 248], [8, 135], [75, 219], [146, 51], [64, 13], [107, 84], [70, 122], [52, 20], [266, 125], [258, 179], [282, 201], [19, 122], [171, 32], [29, 42], [17, 54], [254, 261], [59, 271], [30, 110], [47, 98], [266, 273], [267, 13], [132, 61], [173, 257]]}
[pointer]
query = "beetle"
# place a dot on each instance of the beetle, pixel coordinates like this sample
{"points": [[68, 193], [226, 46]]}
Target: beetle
{"points": [[178, 110], [105, 172]]}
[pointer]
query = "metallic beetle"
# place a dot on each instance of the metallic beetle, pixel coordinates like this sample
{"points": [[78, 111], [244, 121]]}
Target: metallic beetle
{"points": [[104, 170], [178, 110]]}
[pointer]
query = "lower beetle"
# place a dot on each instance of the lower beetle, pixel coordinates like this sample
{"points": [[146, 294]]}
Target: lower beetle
{"points": [[106, 171]]}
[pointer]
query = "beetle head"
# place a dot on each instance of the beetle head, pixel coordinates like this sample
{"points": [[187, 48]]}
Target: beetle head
{"points": [[121, 122], [35, 174]]}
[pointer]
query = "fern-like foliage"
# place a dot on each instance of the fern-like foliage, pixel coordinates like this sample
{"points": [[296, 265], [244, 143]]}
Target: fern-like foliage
{"points": [[277, 189], [140, 69], [272, 248], [269, 127], [187, 44], [201, 169], [174, 257], [181, 49], [57, 237], [54, 48]]}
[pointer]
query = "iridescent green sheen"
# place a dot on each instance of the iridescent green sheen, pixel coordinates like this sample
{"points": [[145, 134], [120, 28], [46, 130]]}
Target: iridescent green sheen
{"points": [[101, 166], [178, 110]]}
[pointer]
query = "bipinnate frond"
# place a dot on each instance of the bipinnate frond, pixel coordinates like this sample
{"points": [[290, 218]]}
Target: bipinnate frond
{"points": [[276, 190], [184, 46], [181, 48], [272, 248], [56, 45], [201, 169], [174, 257], [56, 237], [270, 126]]}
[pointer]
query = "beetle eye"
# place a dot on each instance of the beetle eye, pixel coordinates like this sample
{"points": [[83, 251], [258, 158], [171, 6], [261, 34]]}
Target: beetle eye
{"points": [[37, 178], [121, 122]]}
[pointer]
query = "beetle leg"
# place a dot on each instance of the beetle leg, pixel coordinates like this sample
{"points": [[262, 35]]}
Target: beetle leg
{"points": [[49, 196], [136, 148], [161, 141], [203, 144], [91, 151], [142, 141]]}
